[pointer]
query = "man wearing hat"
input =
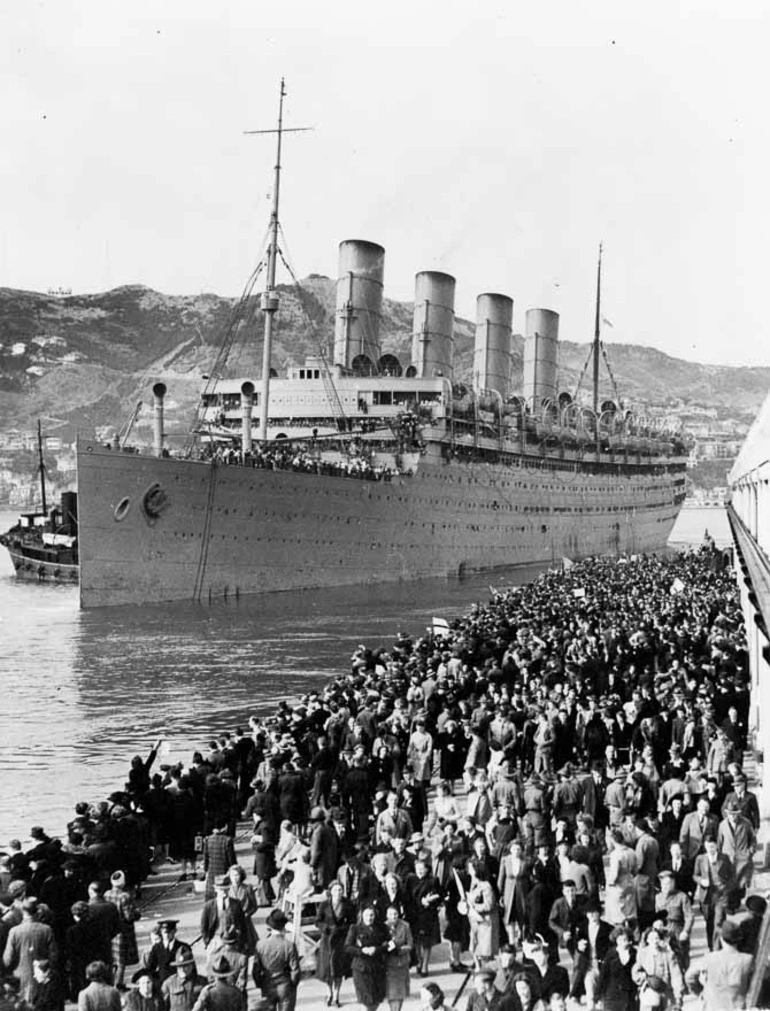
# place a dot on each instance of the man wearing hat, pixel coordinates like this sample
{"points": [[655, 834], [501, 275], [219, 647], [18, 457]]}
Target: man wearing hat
{"points": [[737, 841], [220, 914], [679, 914], [536, 812], [276, 965], [615, 797], [746, 800], [221, 995], [164, 952], [485, 995], [226, 945], [181, 991]]}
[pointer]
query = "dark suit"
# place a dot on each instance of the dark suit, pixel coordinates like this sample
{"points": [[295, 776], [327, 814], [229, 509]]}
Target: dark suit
{"points": [[160, 957], [324, 850], [104, 919], [565, 919], [714, 897], [585, 957], [215, 921], [692, 833]]}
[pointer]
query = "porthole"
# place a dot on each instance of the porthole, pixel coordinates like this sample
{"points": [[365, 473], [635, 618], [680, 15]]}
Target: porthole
{"points": [[121, 509]]}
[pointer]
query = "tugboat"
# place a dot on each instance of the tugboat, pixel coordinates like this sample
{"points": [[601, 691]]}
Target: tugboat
{"points": [[44, 545]]}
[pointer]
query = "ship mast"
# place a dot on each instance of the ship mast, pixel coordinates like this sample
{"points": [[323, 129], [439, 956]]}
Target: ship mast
{"points": [[41, 465], [597, 329], [269, 303]]}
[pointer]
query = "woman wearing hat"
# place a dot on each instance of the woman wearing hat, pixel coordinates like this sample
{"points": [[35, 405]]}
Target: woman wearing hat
{"points": [[366, 944], [335, 917], [124, 949], [144, 996]]}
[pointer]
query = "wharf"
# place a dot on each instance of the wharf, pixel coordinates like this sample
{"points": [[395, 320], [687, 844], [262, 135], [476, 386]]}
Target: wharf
{"points": [[164, 895]]}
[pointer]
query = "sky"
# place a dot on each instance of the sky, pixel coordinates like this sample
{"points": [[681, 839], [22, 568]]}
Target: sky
{"points": [[497, 141]]}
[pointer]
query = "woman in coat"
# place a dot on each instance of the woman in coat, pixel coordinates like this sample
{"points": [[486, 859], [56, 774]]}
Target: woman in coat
{"points": [[218, 857], [513, 883], [334, 919], [244, 893], [620, 897], [366, 944], [453, 747], [397, 956], [124, 949], [615, 987], [264, 863], [419, 753], [392, 895], [425, 895], [483, 915], [457, 930]]}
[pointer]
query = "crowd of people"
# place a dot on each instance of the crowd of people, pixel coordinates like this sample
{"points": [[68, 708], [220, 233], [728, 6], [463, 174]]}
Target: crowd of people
{"points": [[300, 459], [554, 788]]}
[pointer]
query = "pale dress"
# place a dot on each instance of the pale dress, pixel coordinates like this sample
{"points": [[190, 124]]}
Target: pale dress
{"points": [[620, 897]]}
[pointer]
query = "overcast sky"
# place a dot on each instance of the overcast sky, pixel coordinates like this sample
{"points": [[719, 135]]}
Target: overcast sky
{"points": [[497, 141]]}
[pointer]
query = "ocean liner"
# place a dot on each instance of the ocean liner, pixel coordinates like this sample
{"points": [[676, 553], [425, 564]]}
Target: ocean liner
{"points": [[357, 467]]}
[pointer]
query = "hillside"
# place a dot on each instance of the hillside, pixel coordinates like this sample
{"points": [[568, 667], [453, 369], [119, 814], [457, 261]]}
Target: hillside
{"points": [[83, 361]]}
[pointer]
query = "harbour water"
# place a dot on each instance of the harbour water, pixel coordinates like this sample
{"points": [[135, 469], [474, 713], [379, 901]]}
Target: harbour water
{"points": [[84, 691]]}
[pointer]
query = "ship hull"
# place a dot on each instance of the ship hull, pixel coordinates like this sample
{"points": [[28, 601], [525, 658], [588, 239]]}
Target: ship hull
{"points": [[156, 530]]}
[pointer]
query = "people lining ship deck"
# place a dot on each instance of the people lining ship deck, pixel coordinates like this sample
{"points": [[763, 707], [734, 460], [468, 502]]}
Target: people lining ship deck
{"points": [[297, 459], [605, 658]]}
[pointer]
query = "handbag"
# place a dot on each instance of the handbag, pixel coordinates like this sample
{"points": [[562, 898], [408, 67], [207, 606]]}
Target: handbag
{"points": [[462, 904]]}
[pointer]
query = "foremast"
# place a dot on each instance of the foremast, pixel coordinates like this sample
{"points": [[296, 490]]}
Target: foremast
{"points": [[269, 302]]}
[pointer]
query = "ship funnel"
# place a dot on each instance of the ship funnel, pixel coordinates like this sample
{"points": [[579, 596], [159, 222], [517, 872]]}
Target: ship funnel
{"points": [[434, 323], [359, 306], [247, 404], [492, 351], [158, 392], [541, 356]]}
